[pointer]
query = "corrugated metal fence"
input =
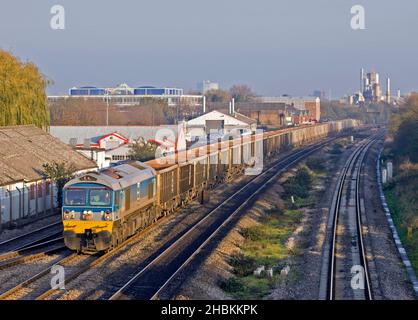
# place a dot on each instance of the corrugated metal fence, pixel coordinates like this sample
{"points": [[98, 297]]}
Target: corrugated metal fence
{"points": [[26, 200]]}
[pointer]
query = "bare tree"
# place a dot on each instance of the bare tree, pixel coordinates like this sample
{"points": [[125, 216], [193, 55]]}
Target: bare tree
{"points": [[241, 93]]}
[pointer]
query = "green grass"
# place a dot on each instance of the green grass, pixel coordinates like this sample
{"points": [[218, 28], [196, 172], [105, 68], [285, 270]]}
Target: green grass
{"points": [[246, 288], [265, 244], [398, 208]]}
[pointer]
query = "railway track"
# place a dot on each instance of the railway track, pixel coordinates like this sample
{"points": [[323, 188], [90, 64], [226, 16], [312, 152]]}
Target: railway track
{"points": [[345, 273], [40, 283], [51, 292], [38, 286], [32, 253], [152, 279], [31, 238], [75, 271]]}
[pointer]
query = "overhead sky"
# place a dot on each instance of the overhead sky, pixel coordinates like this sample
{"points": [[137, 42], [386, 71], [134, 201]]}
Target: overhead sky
{"points": [[275, 46]]}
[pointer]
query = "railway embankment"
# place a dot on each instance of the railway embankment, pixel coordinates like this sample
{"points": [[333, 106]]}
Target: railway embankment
{"points": [[401, 196], [274, 252]]}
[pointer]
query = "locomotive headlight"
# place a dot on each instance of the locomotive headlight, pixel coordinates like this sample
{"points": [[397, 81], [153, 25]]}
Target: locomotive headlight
{"points": [[66, 215], [108, 215], [87, 214]]}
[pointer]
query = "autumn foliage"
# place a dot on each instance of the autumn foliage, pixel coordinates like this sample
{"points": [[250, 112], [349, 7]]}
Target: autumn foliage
{"points": [[80, 112], [22, 93]]}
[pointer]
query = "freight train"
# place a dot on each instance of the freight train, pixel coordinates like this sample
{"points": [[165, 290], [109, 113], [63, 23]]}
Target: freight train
{"points": [[102, 209]]}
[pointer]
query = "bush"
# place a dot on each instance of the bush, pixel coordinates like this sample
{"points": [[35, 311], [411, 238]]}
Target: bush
{"points": [[247, 288], [232, 285], [298, 185], [274, 212], [252, 233], [336, 148], [292, 188], [243, 265], [315, 164], [303, 177]]}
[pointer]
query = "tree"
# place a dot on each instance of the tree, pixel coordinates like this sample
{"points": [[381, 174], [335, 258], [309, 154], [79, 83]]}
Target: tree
{"points": [[404, 127], [75, 111], [22, 93], [59, 173], [241, 93], [142, 150], [218, 96]]}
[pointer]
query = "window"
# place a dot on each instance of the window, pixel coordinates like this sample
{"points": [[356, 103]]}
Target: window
{"points": [[75, 197], [100, 197]]}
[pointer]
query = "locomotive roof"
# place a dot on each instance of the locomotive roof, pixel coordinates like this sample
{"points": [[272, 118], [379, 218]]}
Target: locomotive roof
{"points": [[118, 177]]}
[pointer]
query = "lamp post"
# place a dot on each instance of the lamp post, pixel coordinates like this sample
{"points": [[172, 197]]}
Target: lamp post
{"points": [[107, 109]]}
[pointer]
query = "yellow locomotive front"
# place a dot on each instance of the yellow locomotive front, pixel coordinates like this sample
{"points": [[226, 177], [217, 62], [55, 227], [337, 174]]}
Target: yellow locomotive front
{"points": [[88, 215]]}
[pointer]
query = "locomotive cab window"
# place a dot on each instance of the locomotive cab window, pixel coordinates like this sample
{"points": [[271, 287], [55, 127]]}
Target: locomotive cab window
{"points": [[75, 197], [100, 197]]}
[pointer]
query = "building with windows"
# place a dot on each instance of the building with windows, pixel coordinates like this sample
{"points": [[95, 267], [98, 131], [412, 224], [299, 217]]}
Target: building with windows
{"points": [[26, 192], [111, 144], [104, 149], [216, 122], [206, 86], [124, 95], [311, 104]]}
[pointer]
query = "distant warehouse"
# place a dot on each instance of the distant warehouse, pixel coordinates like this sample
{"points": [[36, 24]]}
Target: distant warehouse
{"points": [[311, 104], [124, 95], [25, 191]]}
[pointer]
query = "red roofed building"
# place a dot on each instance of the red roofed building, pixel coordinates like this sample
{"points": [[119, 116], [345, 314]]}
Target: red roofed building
{"points": [[107, 142]]}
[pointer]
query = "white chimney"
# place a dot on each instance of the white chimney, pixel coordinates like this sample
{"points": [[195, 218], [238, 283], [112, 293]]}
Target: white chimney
{"points": [[233, 106], [204, 104], [388, 90]]}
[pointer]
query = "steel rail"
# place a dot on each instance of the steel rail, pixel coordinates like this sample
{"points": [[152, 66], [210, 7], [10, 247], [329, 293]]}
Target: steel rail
{"points": [[296, 157], [357, 157]]}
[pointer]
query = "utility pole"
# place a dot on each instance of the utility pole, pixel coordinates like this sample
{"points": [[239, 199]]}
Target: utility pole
{"points": [[107, 109]]}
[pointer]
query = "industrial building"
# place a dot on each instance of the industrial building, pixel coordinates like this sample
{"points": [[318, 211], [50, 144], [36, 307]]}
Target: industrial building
{"points": [[106, 145], [216, 122], [371, 89], [311, 104], [25, 190], [124, 95]]}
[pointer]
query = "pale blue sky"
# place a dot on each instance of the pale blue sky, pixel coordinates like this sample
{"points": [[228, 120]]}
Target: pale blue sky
{"points": [[275, 46]]}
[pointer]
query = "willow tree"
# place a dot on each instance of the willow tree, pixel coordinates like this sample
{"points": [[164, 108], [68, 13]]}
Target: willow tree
{"points": [[22, 93]]}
